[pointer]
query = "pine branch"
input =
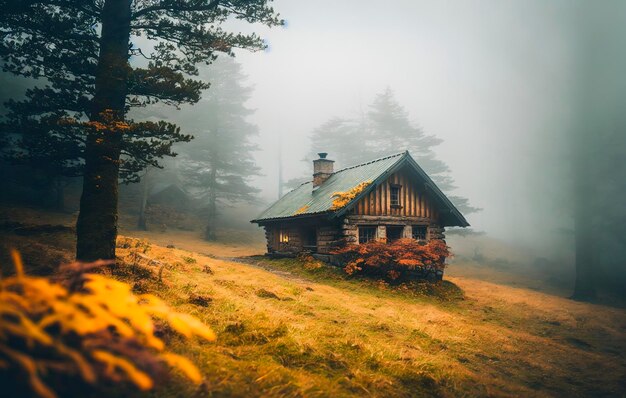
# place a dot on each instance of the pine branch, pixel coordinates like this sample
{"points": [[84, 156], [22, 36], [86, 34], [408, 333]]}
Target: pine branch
{"points": [[176, 6]]}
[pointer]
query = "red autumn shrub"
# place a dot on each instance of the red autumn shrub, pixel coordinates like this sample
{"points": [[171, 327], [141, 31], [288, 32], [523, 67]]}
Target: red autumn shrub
{"points": [[399, 259]]}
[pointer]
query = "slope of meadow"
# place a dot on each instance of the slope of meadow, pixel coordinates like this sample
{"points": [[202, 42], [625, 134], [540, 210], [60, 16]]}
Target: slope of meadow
{"points": [[289, 329]]}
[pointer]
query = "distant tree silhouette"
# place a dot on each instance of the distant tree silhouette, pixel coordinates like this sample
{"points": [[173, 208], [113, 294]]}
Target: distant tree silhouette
{"points": [[219, 164], [383, 130], [598, 148]]}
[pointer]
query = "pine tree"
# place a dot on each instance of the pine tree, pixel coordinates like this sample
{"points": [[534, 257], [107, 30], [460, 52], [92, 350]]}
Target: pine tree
{"points": [[85, 53], [597, 143], [384, 130], [342, 138], [219, 164], [391, 130]]}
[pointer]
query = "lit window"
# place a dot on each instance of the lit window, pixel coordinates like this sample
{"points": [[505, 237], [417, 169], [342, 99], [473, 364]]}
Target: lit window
{"points": [[283, 236], [367, 234], [420, 232], [395, 195]]}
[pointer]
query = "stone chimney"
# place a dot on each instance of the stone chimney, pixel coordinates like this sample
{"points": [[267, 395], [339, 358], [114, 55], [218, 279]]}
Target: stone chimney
{"points": [[322, 169]]}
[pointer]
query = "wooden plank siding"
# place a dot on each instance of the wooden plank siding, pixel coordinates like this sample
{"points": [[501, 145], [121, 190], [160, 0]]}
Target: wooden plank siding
{"points": [[414, 200]]}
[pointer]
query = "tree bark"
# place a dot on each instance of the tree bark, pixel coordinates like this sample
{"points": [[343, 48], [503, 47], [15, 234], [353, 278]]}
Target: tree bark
{"points": [[96, 227]]}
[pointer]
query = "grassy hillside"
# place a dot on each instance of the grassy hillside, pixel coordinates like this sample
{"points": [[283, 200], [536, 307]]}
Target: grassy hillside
{"points": [[289, 329]]}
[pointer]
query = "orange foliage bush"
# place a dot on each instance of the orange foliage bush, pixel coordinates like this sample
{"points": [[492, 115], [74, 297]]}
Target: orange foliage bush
{"points": [[395, 260], [86, 327]]}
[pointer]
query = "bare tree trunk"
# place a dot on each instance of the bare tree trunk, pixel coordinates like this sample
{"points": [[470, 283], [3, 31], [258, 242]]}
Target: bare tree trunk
{"points": [[96, 227], [280, 167], [209, 232], [145, 189], [59, 194]]}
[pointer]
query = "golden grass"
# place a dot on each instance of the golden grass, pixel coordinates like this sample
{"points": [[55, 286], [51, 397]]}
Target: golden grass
{"points": [[233, 244], [285, 330]]}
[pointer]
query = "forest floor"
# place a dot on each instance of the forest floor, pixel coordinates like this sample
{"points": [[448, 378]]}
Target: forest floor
{"points": [[287, 328]]}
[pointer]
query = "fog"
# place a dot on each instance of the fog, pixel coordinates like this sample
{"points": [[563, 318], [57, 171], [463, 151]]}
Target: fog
{"points": [[527, 98], [489, 78], [146, 147]]}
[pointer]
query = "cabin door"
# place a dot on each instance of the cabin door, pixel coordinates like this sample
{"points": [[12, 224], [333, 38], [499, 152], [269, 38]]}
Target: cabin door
{"points": [[309, 239]]}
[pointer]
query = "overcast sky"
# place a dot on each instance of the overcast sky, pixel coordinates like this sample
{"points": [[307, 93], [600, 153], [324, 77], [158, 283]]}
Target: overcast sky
{"points": [[487, 77]]}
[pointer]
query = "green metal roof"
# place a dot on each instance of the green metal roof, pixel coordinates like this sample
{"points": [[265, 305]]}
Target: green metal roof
{"points": [[305, 201]]}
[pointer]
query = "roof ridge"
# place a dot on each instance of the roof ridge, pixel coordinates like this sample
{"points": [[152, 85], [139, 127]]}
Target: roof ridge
{"points": [[348, 168], [370, 162]]}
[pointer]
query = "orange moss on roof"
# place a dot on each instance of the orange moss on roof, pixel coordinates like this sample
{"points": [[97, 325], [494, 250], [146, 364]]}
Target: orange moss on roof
{"points": [[301, 210], [343, 198]]}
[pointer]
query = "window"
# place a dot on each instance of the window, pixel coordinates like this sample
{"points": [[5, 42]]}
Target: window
{"points": [[394, 233], [367, 234], [420, 232], [395, 195], [283, 237]]}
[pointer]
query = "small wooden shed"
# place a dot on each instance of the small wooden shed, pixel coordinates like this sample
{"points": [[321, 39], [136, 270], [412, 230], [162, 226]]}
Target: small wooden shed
{"points": [[385, 199]]}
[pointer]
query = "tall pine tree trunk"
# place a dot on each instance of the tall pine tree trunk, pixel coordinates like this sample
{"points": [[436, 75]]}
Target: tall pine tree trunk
{"points": [[145, 189], [97, 221], [59, 194], [280, 167], [209, 232]]}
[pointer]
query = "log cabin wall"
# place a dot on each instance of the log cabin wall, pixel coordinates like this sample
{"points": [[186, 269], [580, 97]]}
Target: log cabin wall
{"points": [[327, 236], [414, 199], [273, 235]]}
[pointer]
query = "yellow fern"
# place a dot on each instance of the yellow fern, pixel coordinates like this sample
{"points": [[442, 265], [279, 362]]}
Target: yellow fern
{"points": [[112, 362], [66, 331], [184, 365]]}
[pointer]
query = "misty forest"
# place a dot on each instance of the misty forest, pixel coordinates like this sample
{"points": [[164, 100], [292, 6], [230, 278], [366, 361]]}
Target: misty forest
{"points": [[257, 198]]}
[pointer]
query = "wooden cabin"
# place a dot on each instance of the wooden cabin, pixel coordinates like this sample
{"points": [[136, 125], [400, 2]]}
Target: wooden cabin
{"points": [[385, 199]]}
